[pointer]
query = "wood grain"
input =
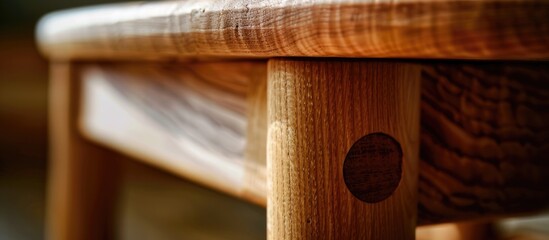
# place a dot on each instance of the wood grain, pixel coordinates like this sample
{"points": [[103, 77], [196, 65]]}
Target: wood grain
{"points": [[469, 113], [83, 177], [317, 110], [189, 119], [372, 169], [491, 29], [484, 141]]}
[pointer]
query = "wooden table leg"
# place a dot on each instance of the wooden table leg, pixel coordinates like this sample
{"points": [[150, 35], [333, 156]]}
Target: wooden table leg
{"points": [[82, 176], [317, 110]]}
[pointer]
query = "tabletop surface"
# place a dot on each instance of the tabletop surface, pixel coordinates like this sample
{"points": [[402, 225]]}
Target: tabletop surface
{"points": [[456, 29]]}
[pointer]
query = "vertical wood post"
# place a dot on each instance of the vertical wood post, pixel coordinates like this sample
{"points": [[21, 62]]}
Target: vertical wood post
{"points": [[321, 184], [82, 176]]}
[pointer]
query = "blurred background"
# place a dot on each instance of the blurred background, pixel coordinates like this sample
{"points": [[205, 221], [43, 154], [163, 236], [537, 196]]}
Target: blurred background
{"points": [[24, 156], [181, 209]]}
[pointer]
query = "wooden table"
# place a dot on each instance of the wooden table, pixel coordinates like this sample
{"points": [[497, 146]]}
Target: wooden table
{"points": [[346, 119]]}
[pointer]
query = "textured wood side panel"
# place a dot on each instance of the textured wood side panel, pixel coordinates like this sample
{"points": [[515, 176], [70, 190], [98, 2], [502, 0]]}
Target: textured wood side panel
{"points": [[484, 141], [491, 29], [190, 119], [83, 177], [316, 111]]}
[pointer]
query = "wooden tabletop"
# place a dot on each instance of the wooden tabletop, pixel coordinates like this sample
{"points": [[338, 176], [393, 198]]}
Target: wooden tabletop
{"points": [[456, 29]]}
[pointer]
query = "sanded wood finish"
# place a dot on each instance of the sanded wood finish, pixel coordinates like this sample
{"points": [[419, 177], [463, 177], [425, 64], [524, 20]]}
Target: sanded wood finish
{"points": [[487, 108], [83, 177], [189, 119], [490, 29], [316, 111]]}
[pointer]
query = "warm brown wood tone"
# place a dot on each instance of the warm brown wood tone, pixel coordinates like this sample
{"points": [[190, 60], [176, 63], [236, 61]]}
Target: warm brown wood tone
{"points": [[458, 231], [450, 182], [317, 110], [291, 133], [373, 167], [189, 119], [490, 29], [484, 141], [256, 137], [83, 176]]}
